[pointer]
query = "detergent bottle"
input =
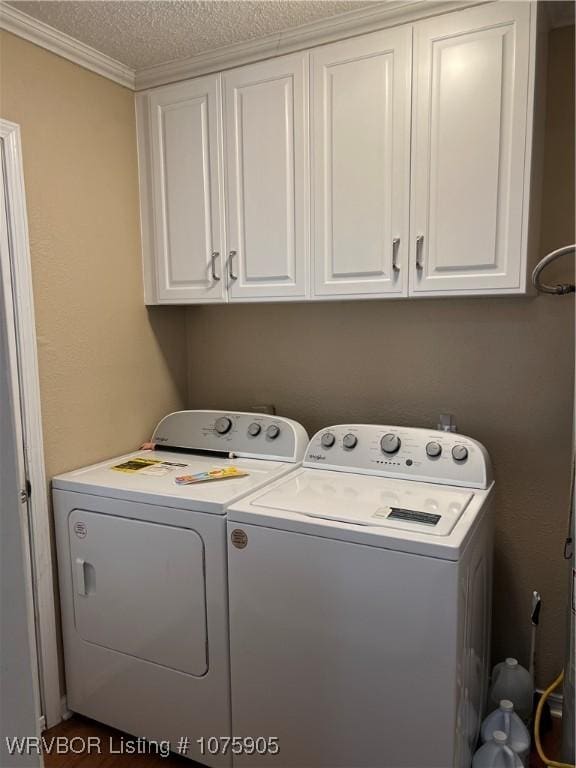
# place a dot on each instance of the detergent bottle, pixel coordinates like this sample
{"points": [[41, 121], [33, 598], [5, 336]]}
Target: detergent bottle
{"points": [[496, 754], [512, 682], [505, 719]]}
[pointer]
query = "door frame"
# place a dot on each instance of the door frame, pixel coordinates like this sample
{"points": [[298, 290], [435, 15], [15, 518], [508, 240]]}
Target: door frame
{"points": [[19, 267]]}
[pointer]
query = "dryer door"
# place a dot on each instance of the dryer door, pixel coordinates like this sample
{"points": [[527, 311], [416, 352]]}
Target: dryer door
{"points": [[139, 589]]}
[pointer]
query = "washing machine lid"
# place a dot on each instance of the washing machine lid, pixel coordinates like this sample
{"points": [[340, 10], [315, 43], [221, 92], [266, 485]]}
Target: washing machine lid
{"points": [[130, 478], [372, 502]]}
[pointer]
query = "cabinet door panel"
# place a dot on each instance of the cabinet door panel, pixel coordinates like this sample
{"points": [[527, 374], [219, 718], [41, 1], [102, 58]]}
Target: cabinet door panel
{"points": [[469, 129], [266, 129], [361, 144], [185, 145]]}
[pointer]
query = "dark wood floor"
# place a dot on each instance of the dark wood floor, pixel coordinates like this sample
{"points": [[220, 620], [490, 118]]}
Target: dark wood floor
{"points": [[110, 741], [84, 728]]}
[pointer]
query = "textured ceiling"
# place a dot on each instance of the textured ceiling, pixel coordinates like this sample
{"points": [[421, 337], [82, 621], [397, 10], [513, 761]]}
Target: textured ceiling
{"points": [[141, 33]]}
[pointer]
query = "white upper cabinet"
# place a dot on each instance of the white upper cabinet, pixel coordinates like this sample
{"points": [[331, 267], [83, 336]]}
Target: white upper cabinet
{"points": [[360, 111], [401, 162], [470, 128], [184, 221], [266, 138]]}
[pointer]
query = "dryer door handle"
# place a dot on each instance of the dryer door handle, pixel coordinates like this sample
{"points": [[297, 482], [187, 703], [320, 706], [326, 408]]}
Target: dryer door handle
{"points": [[81, 576], [85, 577]]}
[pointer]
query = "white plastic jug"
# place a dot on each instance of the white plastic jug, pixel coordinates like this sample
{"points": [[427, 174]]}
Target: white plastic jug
{"points": [[511, 681], [496, 754], [505, 719]]}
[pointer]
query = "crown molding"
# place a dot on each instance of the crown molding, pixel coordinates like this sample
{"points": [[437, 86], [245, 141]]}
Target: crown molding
{"points": [[357, 22], [37, 32], [327, 30]]}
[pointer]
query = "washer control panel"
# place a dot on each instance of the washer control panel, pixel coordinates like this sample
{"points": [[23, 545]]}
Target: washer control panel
{"points": [[409, 453], [253, 435]]}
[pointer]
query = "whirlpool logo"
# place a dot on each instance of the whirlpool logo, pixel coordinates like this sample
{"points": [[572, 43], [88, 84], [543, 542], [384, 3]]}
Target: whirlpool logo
{"points": [[316, 457]]}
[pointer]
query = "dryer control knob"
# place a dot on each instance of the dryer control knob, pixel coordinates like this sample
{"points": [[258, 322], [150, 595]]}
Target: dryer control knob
{"points": [[223, 425], [460, 453], [433, 449], [254, 429], [349, 441], [273, 431], [327, 440], [390, 443]]}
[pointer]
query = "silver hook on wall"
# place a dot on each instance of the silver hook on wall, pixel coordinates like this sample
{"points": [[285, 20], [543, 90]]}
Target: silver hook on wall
{"points": [[561, 288]]}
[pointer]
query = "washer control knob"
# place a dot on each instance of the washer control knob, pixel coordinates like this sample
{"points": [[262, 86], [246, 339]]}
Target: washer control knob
{"points": [[349, 441], [433, 449], [223, 425], [460, 453], [390, 443], [273, 431], [254, 429], [327, 440]]}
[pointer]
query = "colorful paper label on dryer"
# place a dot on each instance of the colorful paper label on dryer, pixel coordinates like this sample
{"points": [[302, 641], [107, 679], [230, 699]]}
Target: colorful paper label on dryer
{"points": [[222, 473], [146, 466]]}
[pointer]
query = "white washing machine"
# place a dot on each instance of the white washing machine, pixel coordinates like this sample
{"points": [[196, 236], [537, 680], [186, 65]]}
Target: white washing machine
{"points": [[360, 601], [142, 566]]}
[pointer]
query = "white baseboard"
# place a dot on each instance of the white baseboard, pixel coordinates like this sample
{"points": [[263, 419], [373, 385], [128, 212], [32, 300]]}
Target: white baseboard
{"points": [[66, 713]]}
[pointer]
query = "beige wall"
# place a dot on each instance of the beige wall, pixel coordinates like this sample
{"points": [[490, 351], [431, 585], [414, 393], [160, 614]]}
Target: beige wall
{"points": [[109, 369], [503, 366]]}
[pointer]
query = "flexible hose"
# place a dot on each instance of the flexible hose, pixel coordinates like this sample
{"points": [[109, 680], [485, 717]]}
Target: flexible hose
{"points": [[539, 708], [541, 287]]}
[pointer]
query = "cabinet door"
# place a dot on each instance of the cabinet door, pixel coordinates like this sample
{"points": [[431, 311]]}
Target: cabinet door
{"points": [[471, 76], [360, 107], [186, 194], [267, 171]]}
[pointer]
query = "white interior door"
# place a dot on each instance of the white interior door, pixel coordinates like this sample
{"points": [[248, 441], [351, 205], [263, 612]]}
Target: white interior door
{"points": [[185, 145], [360, 107], [139, 589], [267, 165], [19, 685], [469, 142]]}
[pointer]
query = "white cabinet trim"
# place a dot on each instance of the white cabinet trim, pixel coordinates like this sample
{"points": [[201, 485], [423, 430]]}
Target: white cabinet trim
{"points": [[18, 265]]}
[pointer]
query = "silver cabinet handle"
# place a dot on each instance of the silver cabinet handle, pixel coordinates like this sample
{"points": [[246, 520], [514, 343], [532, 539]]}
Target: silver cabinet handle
{"points": [[213, 258], [419, 244], [395, 247], [231, 274]]}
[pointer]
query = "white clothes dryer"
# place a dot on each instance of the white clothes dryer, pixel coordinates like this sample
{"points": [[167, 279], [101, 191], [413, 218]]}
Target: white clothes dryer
{"points": [[142, 566], [360, 602]]}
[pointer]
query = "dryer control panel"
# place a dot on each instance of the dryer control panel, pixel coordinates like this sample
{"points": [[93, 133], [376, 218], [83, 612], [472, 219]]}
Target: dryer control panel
{"points": [[246, 435], [407, 453]]}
